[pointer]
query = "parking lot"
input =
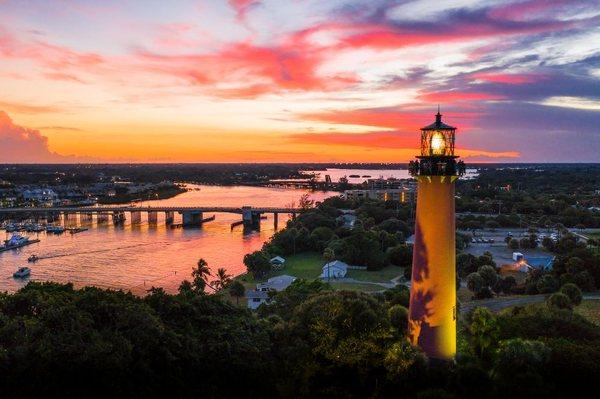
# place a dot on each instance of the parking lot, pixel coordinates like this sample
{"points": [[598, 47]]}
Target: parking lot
{"points": [[500, 251]]}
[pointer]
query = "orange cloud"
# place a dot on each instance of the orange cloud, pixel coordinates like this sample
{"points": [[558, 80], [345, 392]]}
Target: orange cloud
{"points": [[29, 108], [452, 96]]}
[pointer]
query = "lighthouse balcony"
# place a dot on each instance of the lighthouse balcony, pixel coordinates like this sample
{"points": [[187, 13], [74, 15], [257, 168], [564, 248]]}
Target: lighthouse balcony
{"points": [[437, 166]]}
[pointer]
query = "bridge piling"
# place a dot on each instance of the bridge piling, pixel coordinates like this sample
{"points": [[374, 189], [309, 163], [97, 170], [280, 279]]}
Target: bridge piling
{"points": [[136, 217], [192, 219], [152, 218]]}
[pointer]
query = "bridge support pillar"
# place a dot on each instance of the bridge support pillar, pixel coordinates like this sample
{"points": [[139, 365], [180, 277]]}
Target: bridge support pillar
{"points": [[136, 217], [169, 217], [152, 217], [86, 217], [250, 218], [118, 217], [102, 217], [275, 220], [192, 219]]}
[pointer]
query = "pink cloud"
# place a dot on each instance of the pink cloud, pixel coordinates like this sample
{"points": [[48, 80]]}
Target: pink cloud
{"points": [[530, 9], [253, 70], [23, 145], [509, 78], [242, 7]]}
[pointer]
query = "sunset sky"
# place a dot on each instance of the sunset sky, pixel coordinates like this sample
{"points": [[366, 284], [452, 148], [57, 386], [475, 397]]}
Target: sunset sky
{"points": [[297, 80]]}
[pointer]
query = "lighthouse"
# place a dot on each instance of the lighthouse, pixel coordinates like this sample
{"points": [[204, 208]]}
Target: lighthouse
{"points": [[432, 309]]}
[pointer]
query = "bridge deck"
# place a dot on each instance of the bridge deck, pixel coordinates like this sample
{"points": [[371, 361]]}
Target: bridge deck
{"points": [[98, 209]]}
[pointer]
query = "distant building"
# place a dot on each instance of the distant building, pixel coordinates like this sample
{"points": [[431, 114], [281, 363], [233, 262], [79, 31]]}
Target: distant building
{"points": [[402, 195], [45, 196], [347, 220], [277, 283], [277, 262], [334, 269], [256, 298]]}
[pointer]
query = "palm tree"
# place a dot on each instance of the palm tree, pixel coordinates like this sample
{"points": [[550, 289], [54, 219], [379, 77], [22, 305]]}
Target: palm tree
{"points": [[200, 275], [328, 255], [237, 290], [222, 281], [294, 233]]}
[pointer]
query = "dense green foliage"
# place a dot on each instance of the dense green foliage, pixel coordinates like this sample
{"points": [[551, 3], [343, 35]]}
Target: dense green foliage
{"points": [[310, 342], [376, 239]]}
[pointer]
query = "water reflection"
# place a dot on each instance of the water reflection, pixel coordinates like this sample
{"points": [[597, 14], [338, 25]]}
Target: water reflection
{"points": [[137, 257]]}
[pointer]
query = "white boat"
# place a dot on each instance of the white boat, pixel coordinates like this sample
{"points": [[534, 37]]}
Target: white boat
{"points": [[22, 272], [16, 240]]}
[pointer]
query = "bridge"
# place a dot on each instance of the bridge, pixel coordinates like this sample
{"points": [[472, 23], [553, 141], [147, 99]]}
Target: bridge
{"points": [[192, 216]]}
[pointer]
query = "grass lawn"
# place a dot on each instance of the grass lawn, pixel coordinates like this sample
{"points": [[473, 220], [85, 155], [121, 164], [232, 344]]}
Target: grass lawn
{"points": [[378, 276], [357, 287], [590, 309], [308, 266]]}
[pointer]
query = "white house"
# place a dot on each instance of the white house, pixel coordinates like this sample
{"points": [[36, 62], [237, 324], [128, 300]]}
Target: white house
{"points": [[277, 283], [256, 298], [334, 269], [277, 262]]}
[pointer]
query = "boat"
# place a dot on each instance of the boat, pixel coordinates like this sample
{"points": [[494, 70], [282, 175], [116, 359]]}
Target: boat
{"points": [[32, 258], [354, 176], [10, 228], [22, 272], [55, 229], [34, 228], [16, 241]]}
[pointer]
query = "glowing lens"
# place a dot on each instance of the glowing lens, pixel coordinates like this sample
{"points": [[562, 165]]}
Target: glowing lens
{"points": [[438, 144]]}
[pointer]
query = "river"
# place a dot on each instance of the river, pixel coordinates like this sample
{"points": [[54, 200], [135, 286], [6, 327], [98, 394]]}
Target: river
{"points": [[141, 256]]}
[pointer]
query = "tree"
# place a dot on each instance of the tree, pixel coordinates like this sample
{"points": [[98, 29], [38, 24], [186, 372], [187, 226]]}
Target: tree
{"points": [[559, 301], [489, 275], [320, 236], [517, 368], [573, 292], [548, 244], [294, 233], [398, 315], [400, 255], [305, 202], [237, 290], [200, 276], [547, 284], [223, 279], [475, 282], [257, 263], [513, 244], [328, 255], [483, 331]]}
